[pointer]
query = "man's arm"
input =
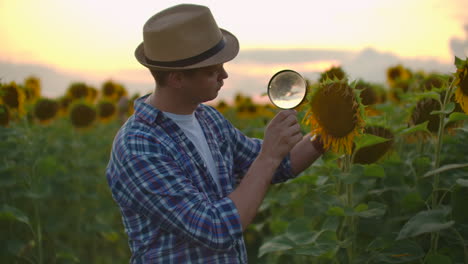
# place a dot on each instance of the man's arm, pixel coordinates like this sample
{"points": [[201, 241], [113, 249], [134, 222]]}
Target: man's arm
{"points": [[281, 135], [305, 153]]}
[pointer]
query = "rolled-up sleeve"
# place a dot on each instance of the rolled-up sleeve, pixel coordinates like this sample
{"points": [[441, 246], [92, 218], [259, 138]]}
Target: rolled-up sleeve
{"points": [[154, 186]]}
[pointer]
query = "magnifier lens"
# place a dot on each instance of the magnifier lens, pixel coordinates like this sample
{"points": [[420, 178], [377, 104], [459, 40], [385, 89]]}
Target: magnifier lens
{"points": [[287, 89]]}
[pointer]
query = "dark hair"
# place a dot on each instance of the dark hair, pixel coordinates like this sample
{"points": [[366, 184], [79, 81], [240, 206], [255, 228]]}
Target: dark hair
{"points": [[160, 77]]}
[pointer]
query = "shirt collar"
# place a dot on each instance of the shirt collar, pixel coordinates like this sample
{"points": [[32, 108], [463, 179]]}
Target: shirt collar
{"points": [[150, 114]]}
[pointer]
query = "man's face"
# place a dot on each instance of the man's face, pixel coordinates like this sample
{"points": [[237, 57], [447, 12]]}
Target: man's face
{"points": [[203, 84]]}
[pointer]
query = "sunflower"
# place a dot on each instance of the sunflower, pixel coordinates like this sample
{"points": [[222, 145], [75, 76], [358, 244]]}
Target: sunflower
{"points": [[335, 112], [32, 86], [112, 91], [461, 82], [13, 98], [246, 108], [432, 81], [374, 153], [396, 73], [92, 94], [45, 110], [82, 114], [77, 91], [335, 72], [106, 110], [64, 102], [4, 115], [222, 106], [422, 113]]}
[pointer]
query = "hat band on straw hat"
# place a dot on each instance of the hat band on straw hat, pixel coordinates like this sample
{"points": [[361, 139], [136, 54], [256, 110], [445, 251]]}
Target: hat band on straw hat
{"points": [[192, 60]]}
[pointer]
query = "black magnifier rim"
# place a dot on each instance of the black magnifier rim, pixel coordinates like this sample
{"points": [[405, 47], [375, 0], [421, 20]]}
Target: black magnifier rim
{"points": [[269, 85]]}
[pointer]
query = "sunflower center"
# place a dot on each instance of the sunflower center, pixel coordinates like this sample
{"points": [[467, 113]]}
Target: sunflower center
{"points": [[335, 109]]}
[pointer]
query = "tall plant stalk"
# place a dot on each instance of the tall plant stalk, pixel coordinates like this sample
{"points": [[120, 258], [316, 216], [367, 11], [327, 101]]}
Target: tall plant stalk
{"points": [[438, 148]]}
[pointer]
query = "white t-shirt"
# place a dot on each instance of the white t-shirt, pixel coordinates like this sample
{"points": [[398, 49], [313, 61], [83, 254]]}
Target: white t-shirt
{"points": [[192, 129]]}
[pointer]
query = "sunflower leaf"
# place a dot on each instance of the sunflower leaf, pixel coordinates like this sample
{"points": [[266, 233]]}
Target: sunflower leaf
{"points": [[462, 182], [13, 213], [456, 116], [448, 110], [445, 168], [366, 140], [418, 128], [426, 222], [459, 62], [430, 94]]}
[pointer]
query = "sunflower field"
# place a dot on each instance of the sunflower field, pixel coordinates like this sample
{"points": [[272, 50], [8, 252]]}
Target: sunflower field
{"points": [[391, 187]]}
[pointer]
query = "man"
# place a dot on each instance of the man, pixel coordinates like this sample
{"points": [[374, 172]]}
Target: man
{"points": [[186, 181]]}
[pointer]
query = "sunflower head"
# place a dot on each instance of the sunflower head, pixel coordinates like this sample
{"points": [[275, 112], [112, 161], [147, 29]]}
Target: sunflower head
{"points": [[106, 110], [45, 110], [369, 95], [335, 72], [221, 106], [336, 113], [77, 91], [461, 83], [92, 94], [374, 153], [82, 114], [422, 113], [246, 108], [432, 81], [4, 115], [32, 87], [64, 103], [396, 73], [13, 98], [112, 91]]}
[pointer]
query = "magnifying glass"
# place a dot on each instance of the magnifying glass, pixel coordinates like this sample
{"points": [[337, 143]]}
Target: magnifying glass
{"points": [[287, 89]]}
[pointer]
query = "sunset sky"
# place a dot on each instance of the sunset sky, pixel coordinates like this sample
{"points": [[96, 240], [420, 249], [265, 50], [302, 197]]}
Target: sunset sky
{"points": [[98, 38]]}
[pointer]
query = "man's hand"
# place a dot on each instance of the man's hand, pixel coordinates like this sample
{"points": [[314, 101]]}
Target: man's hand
{"points": [[281, 135]]}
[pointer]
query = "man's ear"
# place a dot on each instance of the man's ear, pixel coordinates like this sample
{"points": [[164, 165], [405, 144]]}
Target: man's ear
{"points": [[175, 79]]}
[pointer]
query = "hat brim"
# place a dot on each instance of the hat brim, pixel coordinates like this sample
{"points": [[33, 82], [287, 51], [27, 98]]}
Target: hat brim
{"points": [[229, 52]]}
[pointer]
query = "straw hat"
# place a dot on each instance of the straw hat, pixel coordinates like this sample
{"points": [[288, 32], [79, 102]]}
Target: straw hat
{"points": [[185, 36]]}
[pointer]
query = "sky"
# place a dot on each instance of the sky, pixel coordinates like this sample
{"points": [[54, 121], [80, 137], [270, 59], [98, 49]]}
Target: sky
{"points": [[96, 39]]}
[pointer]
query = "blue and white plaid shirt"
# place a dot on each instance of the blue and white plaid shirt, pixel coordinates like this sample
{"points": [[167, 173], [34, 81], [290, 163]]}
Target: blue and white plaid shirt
{"points": [[172, 209]]}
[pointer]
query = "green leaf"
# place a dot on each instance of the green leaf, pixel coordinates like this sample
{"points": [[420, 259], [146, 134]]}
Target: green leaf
{"points": [[425, 222], [445, 168], [430, 94], [12, 213], [457, 116], [366, 140], [298, 232], [279, 243], [374, 171], [46, 166], [459, 62], [373, 209], [448, 110], [438, 259], [462, 182], [401, 252], [312, 250], [336, 211], [418, 128]]}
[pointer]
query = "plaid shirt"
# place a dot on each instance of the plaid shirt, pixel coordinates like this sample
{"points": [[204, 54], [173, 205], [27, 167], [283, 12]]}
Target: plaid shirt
{"points": [[172, 209]]}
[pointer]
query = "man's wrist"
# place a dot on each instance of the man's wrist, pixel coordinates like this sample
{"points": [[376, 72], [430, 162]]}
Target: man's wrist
{"points": [[317, 143]]}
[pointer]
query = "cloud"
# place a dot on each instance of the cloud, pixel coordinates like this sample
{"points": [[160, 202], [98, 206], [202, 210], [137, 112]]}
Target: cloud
{"points": [[249, 73]]}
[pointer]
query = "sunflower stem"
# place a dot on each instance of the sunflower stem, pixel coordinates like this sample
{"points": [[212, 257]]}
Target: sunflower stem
{"points": [[438, 148], [349, 202]]}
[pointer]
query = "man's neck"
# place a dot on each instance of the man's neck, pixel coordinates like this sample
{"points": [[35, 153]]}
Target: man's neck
{"points": [[168, 102]]}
